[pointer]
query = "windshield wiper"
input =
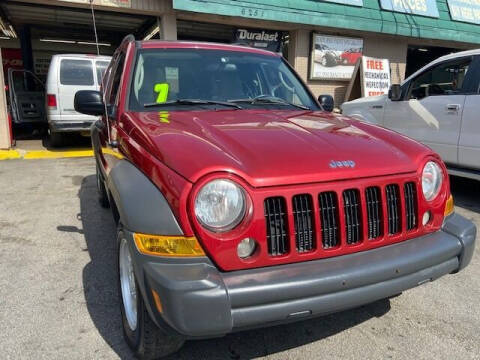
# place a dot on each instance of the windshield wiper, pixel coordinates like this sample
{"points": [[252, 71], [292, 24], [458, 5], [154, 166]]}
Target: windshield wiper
{"points": [[267, 99], [193, 102]]}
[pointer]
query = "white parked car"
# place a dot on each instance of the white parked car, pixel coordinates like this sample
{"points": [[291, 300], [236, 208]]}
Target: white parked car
{"points": [[439, 106], [68, 74]]}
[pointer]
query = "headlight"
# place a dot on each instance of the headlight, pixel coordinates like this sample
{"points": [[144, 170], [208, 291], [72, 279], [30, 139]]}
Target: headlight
{"points": [[432, 178], [220, 205]]}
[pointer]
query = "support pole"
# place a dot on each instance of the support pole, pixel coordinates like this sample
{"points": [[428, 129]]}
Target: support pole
{"points": [[168, 26], [26, 44]]}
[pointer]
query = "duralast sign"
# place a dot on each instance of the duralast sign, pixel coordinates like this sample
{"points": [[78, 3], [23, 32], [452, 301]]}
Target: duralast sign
{"points": [[263, 39]]}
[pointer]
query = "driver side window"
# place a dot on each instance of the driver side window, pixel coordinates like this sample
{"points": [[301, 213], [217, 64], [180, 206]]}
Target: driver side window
{"points": [[444, 79]]}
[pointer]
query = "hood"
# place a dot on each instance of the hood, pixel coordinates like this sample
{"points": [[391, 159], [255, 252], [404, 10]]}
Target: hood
{"points": [[277, 147], [380, 99]]}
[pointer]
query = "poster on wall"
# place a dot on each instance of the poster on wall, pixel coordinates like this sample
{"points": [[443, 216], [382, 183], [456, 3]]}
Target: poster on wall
{"points": [[113, 3], [334, 57], [465, 10], [375, 76], [11, 58]]}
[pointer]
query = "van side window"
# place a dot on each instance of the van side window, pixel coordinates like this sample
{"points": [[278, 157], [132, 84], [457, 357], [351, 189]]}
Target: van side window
{"points": [[100, 67], [444, 79], [76, 72], [117, 76]]}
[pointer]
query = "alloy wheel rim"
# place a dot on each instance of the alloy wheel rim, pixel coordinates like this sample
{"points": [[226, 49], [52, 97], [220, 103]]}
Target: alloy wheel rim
{"points": [[127, 284]]}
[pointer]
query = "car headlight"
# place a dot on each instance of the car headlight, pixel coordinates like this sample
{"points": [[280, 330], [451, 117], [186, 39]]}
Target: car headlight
{"points": [[220, 205], [432, 178]]}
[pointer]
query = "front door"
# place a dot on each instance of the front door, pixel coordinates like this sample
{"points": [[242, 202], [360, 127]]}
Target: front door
{"points": [[433, 106], [469, 143]]}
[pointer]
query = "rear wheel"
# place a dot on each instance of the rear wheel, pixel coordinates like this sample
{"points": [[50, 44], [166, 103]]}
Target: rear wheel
{"points": [[146, 339], [56, 139]]}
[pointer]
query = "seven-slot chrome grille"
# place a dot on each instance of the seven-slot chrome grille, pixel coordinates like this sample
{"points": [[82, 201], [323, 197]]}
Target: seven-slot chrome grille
{"points": [[348, 217]]}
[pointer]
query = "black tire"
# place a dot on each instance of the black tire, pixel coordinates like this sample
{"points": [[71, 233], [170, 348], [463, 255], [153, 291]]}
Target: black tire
{"points": [[147, 341], [102, 191], [56, 139], [330, 60]]}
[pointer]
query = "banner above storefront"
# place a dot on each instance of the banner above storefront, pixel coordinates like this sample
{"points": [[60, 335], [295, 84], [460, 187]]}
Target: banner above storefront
{"points": [[415, 7], [347, 2], [113, 3], [262, 39], [465, 10]]}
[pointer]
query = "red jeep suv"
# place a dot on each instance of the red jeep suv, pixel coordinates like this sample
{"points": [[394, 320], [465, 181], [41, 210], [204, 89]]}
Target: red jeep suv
{"points": [[240, 203]]}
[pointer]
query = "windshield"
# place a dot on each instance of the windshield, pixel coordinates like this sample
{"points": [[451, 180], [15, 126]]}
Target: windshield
{"points": [[168, 77]]}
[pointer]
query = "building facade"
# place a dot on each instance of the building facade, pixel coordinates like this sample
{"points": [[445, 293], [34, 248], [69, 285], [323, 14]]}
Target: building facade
{"points": [[322, 39]]}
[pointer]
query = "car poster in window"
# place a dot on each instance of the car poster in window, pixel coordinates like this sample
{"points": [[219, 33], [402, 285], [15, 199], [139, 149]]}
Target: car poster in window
{"points": [[334, 57]]}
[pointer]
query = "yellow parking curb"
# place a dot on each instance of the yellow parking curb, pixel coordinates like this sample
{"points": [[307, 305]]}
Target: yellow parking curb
{"points": [[44, 154], [48, 154], [9, 154]]}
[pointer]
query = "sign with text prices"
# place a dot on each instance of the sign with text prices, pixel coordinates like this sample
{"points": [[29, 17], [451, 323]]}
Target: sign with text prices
{"points": [[414, 7], [347, 2], [465, 10], [375, 76]]}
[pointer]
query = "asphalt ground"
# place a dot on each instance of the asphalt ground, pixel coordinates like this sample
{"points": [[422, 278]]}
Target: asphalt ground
{"points": [[58, 296]]}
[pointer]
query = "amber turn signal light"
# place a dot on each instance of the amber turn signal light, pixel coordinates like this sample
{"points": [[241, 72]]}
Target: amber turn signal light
{"points": [[449, 206], [177, 246]]}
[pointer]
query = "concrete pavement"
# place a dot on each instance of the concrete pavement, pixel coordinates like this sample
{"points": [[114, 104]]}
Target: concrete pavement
{"points": [[58, 295]]}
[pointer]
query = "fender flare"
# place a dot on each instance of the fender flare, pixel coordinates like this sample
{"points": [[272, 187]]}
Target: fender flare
{"points": [[141, 206]]}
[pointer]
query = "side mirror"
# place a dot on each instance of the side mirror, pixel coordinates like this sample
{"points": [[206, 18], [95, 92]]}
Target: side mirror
{"points": [[89, 102], [395, 93], [327, 102]]}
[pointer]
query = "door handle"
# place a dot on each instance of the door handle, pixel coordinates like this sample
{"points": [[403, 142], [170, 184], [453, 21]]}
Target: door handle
{"points": [[453, 107]]}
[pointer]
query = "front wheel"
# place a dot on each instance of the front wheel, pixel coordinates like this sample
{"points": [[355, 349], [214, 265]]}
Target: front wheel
{"points": [[142, 335]]}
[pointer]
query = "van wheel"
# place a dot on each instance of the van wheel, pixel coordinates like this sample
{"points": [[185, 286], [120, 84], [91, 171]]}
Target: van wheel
{"points": [[142, 335], [102, 192], [56, 139]]}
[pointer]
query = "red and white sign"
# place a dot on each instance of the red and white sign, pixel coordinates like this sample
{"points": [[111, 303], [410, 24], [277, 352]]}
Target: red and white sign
{"points": [[375, 77], [11, 58]]}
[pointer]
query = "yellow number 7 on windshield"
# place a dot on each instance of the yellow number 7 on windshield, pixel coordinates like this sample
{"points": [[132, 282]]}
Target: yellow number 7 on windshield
{"points": [[162, 92]]}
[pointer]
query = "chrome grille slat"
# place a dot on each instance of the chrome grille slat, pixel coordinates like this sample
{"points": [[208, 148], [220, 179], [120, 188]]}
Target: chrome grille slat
{"points": [[351, 206], [411, 205], [277, 234], [374, 212], [394, 209], [329, 219], [303, 219]]}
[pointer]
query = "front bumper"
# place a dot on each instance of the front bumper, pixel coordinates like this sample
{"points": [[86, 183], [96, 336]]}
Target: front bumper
{"points": [[199, 301]]}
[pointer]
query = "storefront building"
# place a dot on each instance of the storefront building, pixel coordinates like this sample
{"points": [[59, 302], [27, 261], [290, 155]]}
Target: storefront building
{"points": [[322, 39], [325, 38]]}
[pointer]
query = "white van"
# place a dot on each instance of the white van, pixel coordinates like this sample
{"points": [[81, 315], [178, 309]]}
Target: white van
{"points": [[68, 74]]}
